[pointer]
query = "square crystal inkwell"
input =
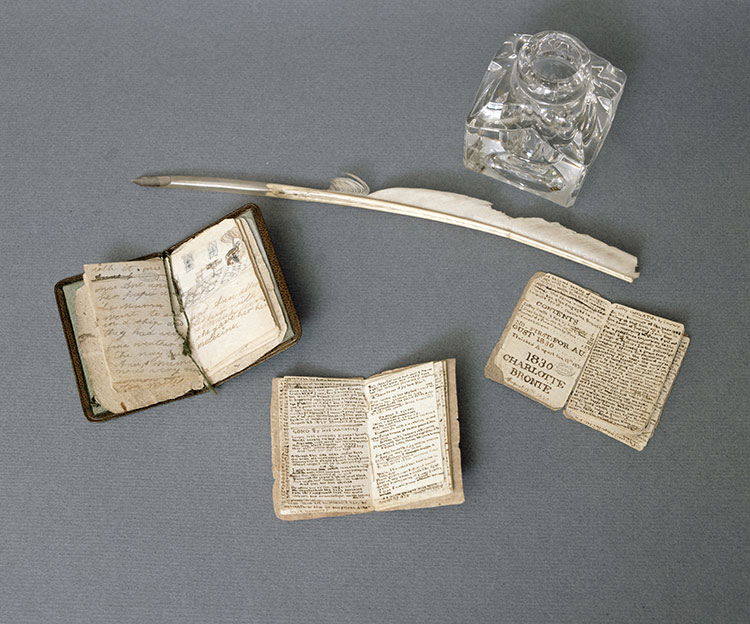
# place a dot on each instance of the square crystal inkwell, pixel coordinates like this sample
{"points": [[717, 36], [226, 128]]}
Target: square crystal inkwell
{"points": [[541, 114]]}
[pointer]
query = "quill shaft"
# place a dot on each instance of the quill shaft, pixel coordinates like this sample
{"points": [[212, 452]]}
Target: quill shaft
{"points": [[284, 191], [224, 185]]}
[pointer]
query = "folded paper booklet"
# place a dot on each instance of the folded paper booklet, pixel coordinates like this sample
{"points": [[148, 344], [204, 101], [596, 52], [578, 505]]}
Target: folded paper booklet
{"points": [[610, 366], [175, 323], [348, 446]]}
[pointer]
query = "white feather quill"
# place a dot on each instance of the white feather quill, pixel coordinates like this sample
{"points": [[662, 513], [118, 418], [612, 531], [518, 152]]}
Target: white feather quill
{"points": [[555, 238], [440, 206]]}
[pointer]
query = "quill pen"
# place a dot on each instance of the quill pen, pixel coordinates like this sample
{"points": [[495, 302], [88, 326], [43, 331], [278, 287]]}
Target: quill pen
{"points": [[461, 210]]}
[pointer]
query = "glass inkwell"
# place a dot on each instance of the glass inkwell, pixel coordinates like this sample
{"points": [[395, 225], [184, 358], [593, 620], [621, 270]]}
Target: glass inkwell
{"points": [[541, 114]]}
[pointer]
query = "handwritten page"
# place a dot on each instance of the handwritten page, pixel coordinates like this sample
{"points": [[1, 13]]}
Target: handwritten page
{"points": [[408, 435], [637, 440], [610, 366], [548, 339], [324, 457], [132, 317], [95, 366], [350, 445], [224, 298], [255, 350], [627, 370]]}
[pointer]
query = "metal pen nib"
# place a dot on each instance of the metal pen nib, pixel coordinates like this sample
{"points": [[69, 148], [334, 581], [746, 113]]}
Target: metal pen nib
{"points": [[225, 185], [153, 181]]}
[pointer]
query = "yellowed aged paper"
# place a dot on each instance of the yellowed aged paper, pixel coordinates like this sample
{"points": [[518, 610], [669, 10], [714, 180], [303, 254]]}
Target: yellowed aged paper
{"points": [[133, 321], [224, 299], [262, 344], [93, 358], [327, 441], [638, 441], [263, 272], [323, 455], [215, 292], [453, 495], [408, 430], [548, 339], [611, 366], [627, 370]]}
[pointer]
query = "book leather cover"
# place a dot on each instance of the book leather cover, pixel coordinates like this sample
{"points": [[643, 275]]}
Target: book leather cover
{"points": [[65, 292]]}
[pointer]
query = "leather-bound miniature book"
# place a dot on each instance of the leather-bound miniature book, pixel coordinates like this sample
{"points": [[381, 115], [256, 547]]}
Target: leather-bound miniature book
{"points": [[610, 366], [349, 446], [176, 323]]}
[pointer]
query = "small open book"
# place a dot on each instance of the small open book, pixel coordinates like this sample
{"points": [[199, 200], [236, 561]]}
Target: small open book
{"points": [[175, 323], [348, 446], [610, 366]]}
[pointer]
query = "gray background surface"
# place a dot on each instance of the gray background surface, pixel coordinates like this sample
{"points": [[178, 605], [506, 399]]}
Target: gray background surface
{"points": [[166, 516]]}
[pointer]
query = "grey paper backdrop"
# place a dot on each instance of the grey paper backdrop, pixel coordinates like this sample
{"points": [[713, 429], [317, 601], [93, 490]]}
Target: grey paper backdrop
{"points": [[165, 516]]}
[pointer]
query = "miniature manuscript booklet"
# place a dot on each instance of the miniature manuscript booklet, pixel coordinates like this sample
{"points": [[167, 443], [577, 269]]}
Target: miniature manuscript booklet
{"points": [[349, 446], [610, 366], [176, 323]]}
